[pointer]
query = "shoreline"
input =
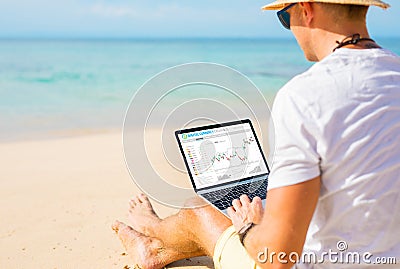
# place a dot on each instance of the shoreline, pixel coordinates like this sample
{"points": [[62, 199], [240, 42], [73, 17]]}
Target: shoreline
{"points": [[55, 134]]}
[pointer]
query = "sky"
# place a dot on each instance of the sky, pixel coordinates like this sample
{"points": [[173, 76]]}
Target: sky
{"points": [[158, 18]]}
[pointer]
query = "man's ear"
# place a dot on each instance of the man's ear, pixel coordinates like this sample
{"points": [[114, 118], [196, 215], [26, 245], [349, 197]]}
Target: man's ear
{"points": [[307, 11]]}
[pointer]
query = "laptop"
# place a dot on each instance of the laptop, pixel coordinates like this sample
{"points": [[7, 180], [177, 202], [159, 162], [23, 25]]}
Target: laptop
{"points": [[224, 161]]}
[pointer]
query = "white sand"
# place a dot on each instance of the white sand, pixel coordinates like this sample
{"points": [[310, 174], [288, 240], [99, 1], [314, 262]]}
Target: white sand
{"points": [[58, 200]]}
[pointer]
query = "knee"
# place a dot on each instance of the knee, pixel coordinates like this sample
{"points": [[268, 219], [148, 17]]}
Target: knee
{"points": [[195, 202], [197, 208]]}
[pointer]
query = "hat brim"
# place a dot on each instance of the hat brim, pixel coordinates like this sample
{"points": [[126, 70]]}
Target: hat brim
{"points": [[280, 4]]}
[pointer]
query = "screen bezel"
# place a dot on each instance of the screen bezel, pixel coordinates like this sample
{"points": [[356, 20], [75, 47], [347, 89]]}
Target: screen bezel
{"points": [[214, 126]]}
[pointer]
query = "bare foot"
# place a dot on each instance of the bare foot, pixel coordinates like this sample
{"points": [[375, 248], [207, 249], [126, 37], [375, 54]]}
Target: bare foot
{"points": [[141, 216], [146, 252]]}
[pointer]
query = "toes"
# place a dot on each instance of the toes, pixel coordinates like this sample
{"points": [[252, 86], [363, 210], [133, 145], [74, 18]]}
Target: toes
{"points": [[137, 200], [124, 231], [115, 226], [131, 210], [144, 199], [120, 227], [126, 234], [132, 202], [141, 197]]}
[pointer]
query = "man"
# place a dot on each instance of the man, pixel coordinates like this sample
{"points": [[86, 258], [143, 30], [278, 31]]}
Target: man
{"points": [[334, 184]]}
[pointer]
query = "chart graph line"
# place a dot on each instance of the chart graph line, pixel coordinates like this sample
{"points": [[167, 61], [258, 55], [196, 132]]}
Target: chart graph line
{"points": [[220, 156]]}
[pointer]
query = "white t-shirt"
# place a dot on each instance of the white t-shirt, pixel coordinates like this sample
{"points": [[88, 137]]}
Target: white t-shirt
{"points": [[341, 120]]}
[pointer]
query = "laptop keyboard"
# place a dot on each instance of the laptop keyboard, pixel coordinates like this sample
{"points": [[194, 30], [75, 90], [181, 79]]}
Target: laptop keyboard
{"points": [[223, 198]]}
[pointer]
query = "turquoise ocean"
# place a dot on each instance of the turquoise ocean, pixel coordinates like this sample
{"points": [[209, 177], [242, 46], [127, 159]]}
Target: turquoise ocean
{"points": [[55, 87]]}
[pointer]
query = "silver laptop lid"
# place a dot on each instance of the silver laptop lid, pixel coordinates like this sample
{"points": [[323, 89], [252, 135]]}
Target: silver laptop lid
{"points": [[221, 154]]}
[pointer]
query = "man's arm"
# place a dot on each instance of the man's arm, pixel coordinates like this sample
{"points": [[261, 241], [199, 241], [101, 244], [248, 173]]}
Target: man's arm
{"points": [[285, 223]]}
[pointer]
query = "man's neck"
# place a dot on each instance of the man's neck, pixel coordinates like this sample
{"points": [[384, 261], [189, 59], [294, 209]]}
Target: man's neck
{"points": [[326, 40]]}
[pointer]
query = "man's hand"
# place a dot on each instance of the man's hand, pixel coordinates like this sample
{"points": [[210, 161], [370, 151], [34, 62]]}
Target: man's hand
{"points": [[244, 211]]}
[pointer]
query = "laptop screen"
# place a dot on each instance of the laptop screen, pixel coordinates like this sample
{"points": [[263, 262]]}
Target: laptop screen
{"points": [[223, 153]]}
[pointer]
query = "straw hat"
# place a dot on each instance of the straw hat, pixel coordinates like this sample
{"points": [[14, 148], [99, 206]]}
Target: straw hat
{"points": [[279, 4]]}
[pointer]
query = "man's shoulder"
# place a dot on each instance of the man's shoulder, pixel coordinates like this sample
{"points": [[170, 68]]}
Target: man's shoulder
{"points": [[302, 85], [308, 80], [331, 76]]}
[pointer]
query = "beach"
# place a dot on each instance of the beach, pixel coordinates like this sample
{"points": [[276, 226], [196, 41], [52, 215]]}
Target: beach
{"points": [[63, 177], [59, 199]]}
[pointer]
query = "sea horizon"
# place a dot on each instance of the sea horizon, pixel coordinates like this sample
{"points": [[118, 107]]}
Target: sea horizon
{"points": [[59, 86]]}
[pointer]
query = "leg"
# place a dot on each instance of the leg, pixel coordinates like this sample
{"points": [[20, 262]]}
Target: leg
{"points": [[202, 225], [190, 233], [148, 252]]}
